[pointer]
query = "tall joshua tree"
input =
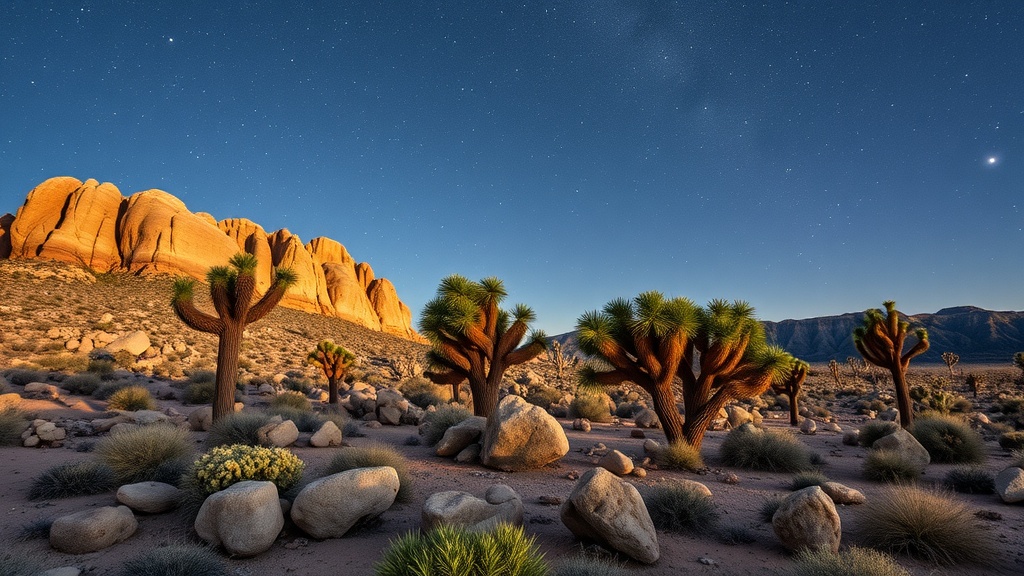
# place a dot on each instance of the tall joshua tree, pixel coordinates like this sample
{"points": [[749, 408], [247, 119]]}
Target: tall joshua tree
{"points": [[473, 339], [715, 354], [335, 362], [790, 386], [232, 289], [880, 341]]}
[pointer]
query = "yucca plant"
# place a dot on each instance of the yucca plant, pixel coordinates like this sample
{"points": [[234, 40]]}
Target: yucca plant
{"points": [[790, 386], [473, 339], [232, 289], [454, 550], [335, 361]]}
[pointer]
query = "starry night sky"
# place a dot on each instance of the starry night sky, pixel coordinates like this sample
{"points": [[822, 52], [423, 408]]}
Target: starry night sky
{"points": [[810, 157]]}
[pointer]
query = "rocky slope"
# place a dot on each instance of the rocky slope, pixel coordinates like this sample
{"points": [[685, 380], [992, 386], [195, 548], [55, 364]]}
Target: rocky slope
{"points": [[92, 224]]}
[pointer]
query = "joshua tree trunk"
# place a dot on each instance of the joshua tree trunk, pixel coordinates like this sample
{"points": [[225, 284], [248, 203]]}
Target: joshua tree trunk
{"points": [[668, 413], [903, 401], [697, 423], [228, 349]]}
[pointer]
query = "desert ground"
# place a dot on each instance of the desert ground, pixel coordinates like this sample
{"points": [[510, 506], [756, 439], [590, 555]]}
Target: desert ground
{"points": [[38, 297]]}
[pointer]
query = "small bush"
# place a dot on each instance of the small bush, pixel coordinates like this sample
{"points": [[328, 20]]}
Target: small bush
{"points": [[454, 550], [1013, 405], [435, 424], [875, 429], [426, 399], [770, 450], [237, 428], [582, 565], [199, 393], [101, 367], [678, 508], [769, 506], [82, 384], [175, 560], [305, 420], [593, 407], [225, 465], [202, 376], [36, 530], [851, 562], [12, 423], [132, 398], [679, 456], [926, 525], [423, 392], [371, 455], [72, 479], [805, 479], [64, 362], [1012, 441], [21, 376], [544, 396], [108, 389], [970, 480], [137, 454], [890, 466], [949, 439], [293, 400], [732, 534], [301, 385]]}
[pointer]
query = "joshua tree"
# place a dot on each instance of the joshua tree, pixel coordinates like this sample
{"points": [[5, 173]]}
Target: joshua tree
{"points": [[232, 289], [473, 339], [833, 367], [857, 366], [335, 362], [950, 359], [561, 360], [654, 342], [791, 385], [880, 341], [1018, 361]]}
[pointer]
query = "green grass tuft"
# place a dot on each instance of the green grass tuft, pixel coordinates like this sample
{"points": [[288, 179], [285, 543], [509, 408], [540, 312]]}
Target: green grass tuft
{"points": [[769, 506], [770, 450], [1012, 440], [435, 424], [679, 456], [890, 466], [237, 428], [371, 455], [22, 376], [143, 453], [593, 407], [970, 480], [291, 400], [874, 430], [949, 439], [131, 398], [108, 389], [809, 478], [72, 479], [199, 393], [82, 384], [36, 530], [453, 550], [851, 562], [175, 560], [678, 508]]}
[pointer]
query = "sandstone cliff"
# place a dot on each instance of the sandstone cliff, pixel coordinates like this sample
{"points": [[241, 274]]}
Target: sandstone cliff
{"points": [[92, 224]]}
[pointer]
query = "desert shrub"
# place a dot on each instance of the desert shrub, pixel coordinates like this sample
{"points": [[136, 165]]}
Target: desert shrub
{"points": [[64, 362], [890, 466], [948, 439], [874, 430], [35, 530], [137, 454], [769, 506], [22, 376], [1011, 441], [72, 479], [435, 424], [544, 396], [805, 479], [131, 398], [628, 409], [226, 465], [293, 400], [926, 525], [970, 480], [426, 399], [423, 392], [305, 420], [679, 456], [733, 533], [202, 376], [771, 450], [592, 406], [352, 429], [339, 416], [676, 507], [12, 564], [583, 565], [302, 385], [82, 384], [851, 562], [108, 389], [237, 428], [12, 423], [175, 560], [1011, 405], [101, 367], [505, 550], [199, 393], [371, 455]]}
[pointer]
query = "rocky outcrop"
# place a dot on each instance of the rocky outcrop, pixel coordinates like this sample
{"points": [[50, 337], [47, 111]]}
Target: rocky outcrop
{"points": [[92, 224]]}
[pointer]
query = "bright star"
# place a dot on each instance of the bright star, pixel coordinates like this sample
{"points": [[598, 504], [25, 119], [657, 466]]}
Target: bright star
{"points": [[991, 160]]}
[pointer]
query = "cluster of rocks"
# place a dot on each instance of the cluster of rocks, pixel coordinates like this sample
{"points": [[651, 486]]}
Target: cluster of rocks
{"points": [[385, 405], [43, 433]]}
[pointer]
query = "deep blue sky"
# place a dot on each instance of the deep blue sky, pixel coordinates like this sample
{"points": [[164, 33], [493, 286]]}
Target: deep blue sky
{"points": [[810, 157]]}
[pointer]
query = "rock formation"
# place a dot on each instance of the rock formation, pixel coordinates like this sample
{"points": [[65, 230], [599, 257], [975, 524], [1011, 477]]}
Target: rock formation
{"points": [[92, 224]]}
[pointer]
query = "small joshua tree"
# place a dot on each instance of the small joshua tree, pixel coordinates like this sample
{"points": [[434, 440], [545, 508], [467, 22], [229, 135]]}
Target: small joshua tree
{"points": [[880, 341], [561, 360], [857, 366], [950, 359], [232, 289], [833, 367], [1018, 361], [335, 362], [791, 385], [473, 339]]}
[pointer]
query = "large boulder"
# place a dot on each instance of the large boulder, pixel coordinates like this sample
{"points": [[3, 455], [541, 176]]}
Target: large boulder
{"points": [[458, 437], [134, 342], [327, 435], [92, 530], [331, 506], [522, 436], [807, 520], [611, 511], [280, 433], [1010, 485], [738, 416], [245, 518], [616, 462], [150, 497], [395, 316], [904, 444], [454, 508]]}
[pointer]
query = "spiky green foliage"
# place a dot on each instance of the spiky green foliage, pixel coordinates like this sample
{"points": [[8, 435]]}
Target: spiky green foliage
{"points": [[12, 423], [592, 406], [679, 456], [890, 466], [293, 400], [175, 560], [456, 551], [806, 479], [237, 428], [791, 386], [927, 525], [473, 339], [199, 393], [83, 384], [232, 289], [108, 389], [583, 565], [769, 506], [851, 562], [72, 479], [131, 398], [138, 454], [35, 530], [873, 430], [880, 341], [949, 439], [771, 450], [675, 507], [371, 455], [653, 342], [335, 361], [970, 480], [435, 424]]}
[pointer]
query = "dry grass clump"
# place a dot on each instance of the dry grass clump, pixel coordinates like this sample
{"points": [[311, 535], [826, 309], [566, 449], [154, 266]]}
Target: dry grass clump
{"points": [[292, 400], [305, 420], [874, 430], [237, 428], [770, 450], [12, 423], [679, 456], [145, 453], [83, 384], [109, 388], [769, 506], [544, 396], [970, 480], [423, 392], [927, 525], [675, 507], [175, 560], [372, 455], [435, 424], [22, 376], [72, 479], [948, 439], [851, 562], [1012, 440], [805, 479], [584, 565], [64, 362], [890, 466], [199, 393], [131, 398], [592, 406]]}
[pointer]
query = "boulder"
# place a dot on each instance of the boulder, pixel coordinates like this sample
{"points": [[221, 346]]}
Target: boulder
{"points": [[499, 504], [389, 415], [136, 343], [280, 434], [469, 454], [904, 444], [808, 426], [41, 391], [458, 437], [49, 432], [581, 424], [245, 518], [610, 511], [1010, 485], [92, 530], [149, 497], [693, 486], [646, 418], [851, 437], [738, 416], [842, 494], [616, 462], [807, 520], [331, 506], [521, 436], [328, 435], [201, 419]]}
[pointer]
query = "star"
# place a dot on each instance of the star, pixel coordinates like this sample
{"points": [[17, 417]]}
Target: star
{"points": [[991, 160]]}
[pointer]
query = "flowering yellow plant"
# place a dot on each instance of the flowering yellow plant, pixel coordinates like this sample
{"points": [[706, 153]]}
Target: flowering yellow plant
{"points": [[226, 465]]}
